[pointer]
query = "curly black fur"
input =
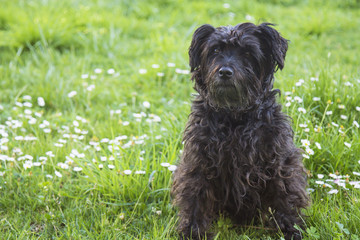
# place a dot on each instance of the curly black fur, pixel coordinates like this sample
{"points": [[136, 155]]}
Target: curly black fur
{"points": [[239, 157]]}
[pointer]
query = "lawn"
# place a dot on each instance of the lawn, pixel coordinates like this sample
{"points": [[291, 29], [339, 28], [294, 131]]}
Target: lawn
{"points": [[94, 97]]}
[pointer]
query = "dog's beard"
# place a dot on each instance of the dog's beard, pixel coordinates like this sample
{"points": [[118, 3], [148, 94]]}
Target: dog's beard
{"points": [[227, 95]]}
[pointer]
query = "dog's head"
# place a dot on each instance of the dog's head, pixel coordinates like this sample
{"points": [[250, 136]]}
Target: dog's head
{"points": [[234, 66]]}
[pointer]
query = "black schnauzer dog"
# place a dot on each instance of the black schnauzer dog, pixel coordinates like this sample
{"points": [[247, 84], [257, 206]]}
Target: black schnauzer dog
{"points": [[239, 157]]}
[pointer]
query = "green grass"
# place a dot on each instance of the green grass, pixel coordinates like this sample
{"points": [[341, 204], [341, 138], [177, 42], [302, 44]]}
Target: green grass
{"points": [[50, 48]]}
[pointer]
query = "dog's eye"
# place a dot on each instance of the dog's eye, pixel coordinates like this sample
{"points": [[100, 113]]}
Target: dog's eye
{"points": [[247, 54], [217, 50]]}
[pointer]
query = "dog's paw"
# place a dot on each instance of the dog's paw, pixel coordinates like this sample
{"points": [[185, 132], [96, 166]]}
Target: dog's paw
{"points": [[293, 235], [192, 234]]}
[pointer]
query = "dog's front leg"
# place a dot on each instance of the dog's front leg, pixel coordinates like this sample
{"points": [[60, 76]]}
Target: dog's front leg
{"points": [[290, 198], [193, 196]]}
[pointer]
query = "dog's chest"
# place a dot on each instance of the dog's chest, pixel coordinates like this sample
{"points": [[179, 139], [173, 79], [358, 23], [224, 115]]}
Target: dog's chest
{"points": [[237, 143], [241, 155]]}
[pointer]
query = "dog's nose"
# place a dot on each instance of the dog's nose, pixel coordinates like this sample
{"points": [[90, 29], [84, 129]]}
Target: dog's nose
{"points": [[225, 72]]}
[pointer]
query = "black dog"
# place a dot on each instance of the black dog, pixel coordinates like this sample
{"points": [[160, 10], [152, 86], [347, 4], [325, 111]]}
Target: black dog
{"points": [[239, 157]]}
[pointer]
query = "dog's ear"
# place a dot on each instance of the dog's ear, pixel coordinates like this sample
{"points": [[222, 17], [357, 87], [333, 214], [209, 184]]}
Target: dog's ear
{"points": [[278, 45], [199, 38]]}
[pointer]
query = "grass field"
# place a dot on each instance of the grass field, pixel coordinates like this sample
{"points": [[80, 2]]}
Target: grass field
{"points": [[94, 96]]}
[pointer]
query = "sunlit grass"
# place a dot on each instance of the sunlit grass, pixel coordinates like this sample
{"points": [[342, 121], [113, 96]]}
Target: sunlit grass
{"points": [[95, 96]]}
